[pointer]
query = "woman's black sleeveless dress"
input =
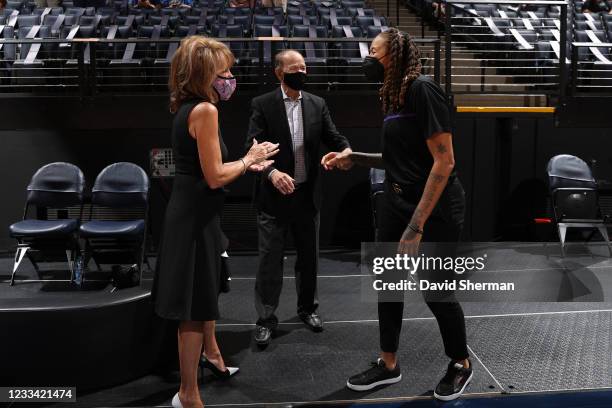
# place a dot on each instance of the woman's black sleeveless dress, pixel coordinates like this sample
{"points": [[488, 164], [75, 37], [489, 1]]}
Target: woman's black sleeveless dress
{"points": [[186, 282]]}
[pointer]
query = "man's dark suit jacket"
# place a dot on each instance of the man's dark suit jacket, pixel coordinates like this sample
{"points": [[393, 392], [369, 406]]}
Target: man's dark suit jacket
{"points": [[269, 123]]}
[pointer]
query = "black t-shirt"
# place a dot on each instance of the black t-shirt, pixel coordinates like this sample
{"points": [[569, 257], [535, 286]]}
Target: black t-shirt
{"points": [[404, 149]]}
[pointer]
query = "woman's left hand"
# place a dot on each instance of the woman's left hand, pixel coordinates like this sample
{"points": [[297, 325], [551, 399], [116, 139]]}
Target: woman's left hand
{"points": [[409, 243], [257, 168]]}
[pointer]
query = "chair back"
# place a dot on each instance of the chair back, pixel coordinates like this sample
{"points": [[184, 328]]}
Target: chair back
{"points": [[56, 184], [567, 171], [121, 184], [377, 180]]}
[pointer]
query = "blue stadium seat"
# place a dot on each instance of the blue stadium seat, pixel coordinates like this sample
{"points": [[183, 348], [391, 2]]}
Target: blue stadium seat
{"points": [[270, 49], [277, 19], [187, 30], [298, 11], [239, 48], [200, 20], [170, 21], [327, 21], [301, 20], [365, 21], [242, 20], [318, 52], [355, 11]]}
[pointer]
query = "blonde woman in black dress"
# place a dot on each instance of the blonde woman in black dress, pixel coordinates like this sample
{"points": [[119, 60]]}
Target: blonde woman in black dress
{"points": [[187, 278]]}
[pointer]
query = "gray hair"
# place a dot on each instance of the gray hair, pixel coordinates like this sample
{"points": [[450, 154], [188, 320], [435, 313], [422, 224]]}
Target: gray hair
{"points": [[279, 59]]}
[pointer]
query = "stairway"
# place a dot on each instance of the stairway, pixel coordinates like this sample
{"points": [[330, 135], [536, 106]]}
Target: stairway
{"points": [[467, 71]]}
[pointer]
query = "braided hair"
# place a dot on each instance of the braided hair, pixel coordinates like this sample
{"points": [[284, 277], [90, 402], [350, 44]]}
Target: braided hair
{"points": [[405, 67]]}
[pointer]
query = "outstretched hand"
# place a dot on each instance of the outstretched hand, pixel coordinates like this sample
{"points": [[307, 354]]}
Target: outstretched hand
{"points": [[337, 160]]}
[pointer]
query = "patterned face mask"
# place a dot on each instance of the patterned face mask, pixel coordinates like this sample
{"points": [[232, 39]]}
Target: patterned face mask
{"points": [[225, 87]]}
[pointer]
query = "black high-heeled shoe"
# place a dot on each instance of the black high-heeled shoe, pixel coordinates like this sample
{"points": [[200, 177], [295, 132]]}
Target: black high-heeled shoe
{"points": [[223, 375]]}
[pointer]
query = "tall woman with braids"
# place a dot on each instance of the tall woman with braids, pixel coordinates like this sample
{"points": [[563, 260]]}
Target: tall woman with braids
{"points": [[424, 200]]}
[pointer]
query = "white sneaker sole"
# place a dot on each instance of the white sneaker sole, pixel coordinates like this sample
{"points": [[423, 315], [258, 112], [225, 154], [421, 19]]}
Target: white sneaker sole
{"points": [[455, 395], [374, 385]]}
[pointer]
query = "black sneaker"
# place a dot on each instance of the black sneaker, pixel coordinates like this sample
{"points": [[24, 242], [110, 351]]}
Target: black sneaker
{"points": [[452, 385], [375, 376]]}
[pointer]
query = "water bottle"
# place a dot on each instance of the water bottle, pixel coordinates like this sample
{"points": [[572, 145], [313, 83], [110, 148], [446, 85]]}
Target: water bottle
{"points": [[78, 270]]}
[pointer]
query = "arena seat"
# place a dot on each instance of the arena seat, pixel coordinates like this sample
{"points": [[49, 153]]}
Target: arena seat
{"points": [[53, 186], [365, 21], [574, 197], [299, 11], [315, 53], [170, 21], [270, 48], [200, 20], [267, 20], [119, 186], [240, 49], [293, 20], [330, 22], [243, 20], [358, 11]]}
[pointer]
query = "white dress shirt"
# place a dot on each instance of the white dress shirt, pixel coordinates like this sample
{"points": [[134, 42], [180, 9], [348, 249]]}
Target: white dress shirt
{"points": [[296, 127]]}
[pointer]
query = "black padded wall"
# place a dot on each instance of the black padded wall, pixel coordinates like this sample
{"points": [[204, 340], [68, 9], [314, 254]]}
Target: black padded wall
{"points": [[500, 157]]}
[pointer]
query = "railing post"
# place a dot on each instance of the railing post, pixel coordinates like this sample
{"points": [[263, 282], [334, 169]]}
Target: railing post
{"points": [[93, 68], [81, 68], [574, 71], [483, 68], [388, 14], [397, 13], [260, 50], [437, 61], [447, 56], [563, 55], [422, 19]]}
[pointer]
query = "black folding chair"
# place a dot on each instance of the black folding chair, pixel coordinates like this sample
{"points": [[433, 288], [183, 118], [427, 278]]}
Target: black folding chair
{"points": [[574, 197], [52, 188], [121, 193]]}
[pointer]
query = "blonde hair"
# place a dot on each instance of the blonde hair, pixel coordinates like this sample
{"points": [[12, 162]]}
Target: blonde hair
{"points": [[194, 68]]}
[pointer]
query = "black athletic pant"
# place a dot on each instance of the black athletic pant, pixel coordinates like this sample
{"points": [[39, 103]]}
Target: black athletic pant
{"points": [[444, 225]]}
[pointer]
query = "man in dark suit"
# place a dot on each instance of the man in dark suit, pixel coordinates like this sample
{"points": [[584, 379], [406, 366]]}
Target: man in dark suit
{"points": [[288, 193]]}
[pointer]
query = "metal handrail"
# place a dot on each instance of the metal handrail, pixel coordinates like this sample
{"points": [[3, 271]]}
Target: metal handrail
{"points": [[178, 39], [87, 60], [574, 62], [561, 90]]}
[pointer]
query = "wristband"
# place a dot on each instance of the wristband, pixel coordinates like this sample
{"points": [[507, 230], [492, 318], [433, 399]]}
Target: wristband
{"points": [[245, 166], [415, 229]]}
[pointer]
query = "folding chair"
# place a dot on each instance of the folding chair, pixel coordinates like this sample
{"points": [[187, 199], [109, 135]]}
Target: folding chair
{"points": [[121, 192], [574, 197], [53, 187]]}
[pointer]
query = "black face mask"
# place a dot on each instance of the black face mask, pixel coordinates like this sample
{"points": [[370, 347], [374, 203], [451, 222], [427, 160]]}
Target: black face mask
{"points": [[373, 69], [295, 80]]}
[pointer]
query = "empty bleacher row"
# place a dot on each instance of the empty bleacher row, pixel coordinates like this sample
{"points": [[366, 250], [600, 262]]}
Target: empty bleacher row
{"points": [[116, 21], [524, 41]]}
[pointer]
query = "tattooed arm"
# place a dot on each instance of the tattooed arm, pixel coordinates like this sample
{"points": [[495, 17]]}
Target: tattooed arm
{"points": [[441, 147], [348, 158]]}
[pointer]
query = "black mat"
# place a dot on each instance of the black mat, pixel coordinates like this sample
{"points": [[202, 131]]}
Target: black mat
{"points": [[516, 347]]}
